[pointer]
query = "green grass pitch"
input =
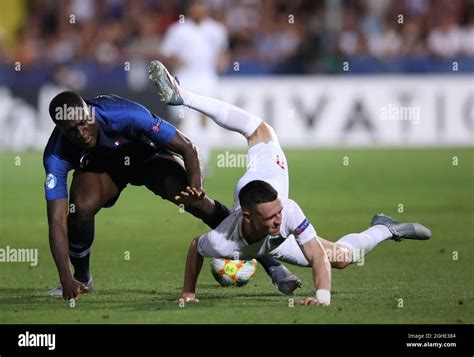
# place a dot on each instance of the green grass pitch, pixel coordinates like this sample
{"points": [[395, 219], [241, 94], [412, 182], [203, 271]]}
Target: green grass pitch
{"points": [[407, 282]]}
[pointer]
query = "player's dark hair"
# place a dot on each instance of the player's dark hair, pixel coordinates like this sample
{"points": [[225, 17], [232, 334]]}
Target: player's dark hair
{"points": [[68, 99], [256, 192]]}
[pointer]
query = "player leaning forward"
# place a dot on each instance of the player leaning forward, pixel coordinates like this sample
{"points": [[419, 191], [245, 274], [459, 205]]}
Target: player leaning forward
{"points": [[264, 219], [111, 142]]}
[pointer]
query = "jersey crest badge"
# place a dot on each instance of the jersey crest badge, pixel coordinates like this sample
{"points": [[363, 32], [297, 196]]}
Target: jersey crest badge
{"points": [[50, 182]]}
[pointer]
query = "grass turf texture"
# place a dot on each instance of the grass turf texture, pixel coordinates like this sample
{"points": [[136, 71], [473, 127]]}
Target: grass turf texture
{"points": [[337, 199]]}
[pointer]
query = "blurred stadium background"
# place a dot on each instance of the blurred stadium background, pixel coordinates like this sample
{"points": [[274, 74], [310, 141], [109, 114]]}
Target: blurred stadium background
{"points": [[332, 67], [335, 74]]}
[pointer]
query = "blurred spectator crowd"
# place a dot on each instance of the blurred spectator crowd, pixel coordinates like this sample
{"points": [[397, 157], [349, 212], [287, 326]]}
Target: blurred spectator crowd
{"points": [[265, 36]]}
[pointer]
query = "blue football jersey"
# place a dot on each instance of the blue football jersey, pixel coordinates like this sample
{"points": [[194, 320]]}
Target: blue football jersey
{"points": [[122, 123]]}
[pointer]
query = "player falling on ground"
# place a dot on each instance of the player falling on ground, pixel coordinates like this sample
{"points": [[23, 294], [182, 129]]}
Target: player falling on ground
{"points": [[264, 219], [110, 142]]}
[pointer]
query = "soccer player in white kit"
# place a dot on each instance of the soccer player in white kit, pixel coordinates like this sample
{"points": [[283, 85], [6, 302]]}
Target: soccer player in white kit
{"points": [[264, 220], [196, 48]]}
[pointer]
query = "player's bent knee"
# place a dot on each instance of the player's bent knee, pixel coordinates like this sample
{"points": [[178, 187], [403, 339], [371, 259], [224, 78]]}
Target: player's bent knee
{"points": [[265, 130], [263, 134], [83, 209], [341, 257]]}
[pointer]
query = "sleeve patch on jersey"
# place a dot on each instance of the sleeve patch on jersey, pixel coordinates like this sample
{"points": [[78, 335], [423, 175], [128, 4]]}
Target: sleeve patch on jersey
{"points": [[156, 127], [300, 229], [51, 181]]}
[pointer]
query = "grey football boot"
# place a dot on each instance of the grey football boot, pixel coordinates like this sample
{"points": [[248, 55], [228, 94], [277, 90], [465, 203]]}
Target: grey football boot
{"points": [[168, 86], [285, 280], [401, 230]]}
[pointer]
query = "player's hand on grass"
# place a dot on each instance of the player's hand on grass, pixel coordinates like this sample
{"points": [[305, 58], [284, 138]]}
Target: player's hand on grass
{"points": [[72, 289], [311, 301], [188, 297], [190, 196]]}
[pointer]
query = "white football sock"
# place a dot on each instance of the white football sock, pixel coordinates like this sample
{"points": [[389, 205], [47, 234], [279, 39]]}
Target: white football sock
{"points": [[362, 243], [224, 114]]}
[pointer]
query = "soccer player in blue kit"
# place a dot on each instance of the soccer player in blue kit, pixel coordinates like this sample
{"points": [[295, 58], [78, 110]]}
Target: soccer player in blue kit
{"points": [[110, 142]]}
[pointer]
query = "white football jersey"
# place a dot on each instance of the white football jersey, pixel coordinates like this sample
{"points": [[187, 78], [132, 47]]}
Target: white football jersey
{"points": [[227, 240], [266, 162]]}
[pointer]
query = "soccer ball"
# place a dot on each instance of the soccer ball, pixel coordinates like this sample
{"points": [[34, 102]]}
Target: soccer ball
{"points": [[233, 272]]}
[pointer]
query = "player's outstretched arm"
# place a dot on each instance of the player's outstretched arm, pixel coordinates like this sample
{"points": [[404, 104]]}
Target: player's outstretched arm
{"points": [[183, 146], [59, 244], [314, 252], [193, 268]]}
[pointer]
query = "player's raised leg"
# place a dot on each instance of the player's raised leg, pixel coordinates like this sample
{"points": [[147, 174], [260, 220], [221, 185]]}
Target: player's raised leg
{"points": [[223, 114], [265, 162]]}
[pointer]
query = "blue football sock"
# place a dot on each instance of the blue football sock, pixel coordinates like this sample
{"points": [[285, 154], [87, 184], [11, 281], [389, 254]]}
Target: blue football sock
{"points": [[80, 237], [267, 262]]}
